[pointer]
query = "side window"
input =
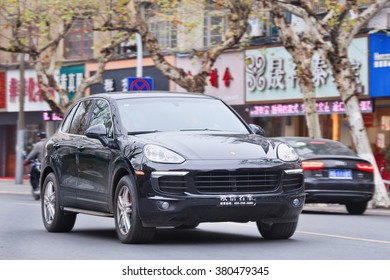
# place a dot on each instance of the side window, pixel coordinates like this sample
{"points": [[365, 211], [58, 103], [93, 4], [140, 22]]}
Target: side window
{"points": [[101, 114], [80, 119], [68, 120]]}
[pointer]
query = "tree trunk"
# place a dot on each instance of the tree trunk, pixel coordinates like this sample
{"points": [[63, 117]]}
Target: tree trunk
{"points": [[346, 84], [301, 49]]}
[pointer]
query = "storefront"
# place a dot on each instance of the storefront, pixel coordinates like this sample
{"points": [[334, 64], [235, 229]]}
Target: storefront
{"points": [[274, 100], [116, 74], [379, 64], [35, 110]]}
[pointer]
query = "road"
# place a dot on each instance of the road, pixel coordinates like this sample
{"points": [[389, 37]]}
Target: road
{"points": [[324, 233]]}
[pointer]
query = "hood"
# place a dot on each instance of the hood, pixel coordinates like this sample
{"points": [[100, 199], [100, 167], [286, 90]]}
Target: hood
{"points": [[214, 146]]}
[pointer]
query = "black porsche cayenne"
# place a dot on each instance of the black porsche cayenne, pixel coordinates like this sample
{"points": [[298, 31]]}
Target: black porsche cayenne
{"points": [[167, 159]]}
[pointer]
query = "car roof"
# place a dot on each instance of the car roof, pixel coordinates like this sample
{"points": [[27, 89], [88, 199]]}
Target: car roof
{"points": [[149, 94]]}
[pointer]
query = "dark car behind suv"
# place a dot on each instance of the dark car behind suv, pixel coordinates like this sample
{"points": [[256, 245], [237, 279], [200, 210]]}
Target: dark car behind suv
{"points": [[167, 159], [334, 173]]}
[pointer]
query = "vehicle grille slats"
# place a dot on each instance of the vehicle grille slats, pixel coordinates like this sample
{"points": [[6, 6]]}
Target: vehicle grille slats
{"points": [[292, 182], [248, 181], [173, 184]]}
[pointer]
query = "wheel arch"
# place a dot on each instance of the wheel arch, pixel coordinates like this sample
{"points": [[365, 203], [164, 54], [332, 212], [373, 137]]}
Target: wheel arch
{"points": [[44, 174], [119, 173]]}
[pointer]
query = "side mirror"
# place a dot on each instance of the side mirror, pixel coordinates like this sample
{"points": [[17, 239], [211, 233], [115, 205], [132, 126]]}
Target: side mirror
{"points": [[257, 129], [99, 132]]}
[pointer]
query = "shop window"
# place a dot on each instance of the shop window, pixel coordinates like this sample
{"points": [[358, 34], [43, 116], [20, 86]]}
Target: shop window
{"points": [[165, 32], [79, 41]]}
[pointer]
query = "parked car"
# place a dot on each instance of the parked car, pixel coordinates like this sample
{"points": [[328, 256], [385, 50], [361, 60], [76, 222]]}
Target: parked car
{"points": [[167, 159], [334, 173]]}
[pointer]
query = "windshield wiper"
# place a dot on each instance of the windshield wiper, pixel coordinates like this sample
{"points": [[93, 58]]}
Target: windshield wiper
{"points": [[141, 132]]}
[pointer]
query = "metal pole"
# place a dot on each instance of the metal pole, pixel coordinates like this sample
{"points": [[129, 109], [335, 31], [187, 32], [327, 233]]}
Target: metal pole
{"points": [[21, 127], [139, 54]]}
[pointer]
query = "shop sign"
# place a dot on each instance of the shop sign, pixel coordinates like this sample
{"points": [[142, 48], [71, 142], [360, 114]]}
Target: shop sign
{"points": [[70, 78], [3, 99], [270, 74], [379, 64], [298, 108], [368, 120], [226, 78], [117, 80], [33, 99], [51, 116]]}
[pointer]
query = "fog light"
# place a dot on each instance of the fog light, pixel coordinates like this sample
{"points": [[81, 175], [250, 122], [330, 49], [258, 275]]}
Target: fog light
{"points": [[296, 202], [163, 205]]}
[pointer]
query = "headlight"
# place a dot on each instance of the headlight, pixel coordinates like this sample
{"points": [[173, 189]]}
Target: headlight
{"points": [[287, 153], [162, 155]]}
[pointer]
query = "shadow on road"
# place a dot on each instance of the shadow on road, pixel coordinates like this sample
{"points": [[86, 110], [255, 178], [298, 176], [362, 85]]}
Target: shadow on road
{"points": [[165, 236]]}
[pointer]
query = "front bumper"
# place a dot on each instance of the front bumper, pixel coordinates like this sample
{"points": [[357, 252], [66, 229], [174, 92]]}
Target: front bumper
{"points": [[271, 192], [168, 211]]}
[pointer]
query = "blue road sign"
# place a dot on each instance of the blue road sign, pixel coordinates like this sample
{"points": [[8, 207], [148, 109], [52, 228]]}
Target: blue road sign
{"points": [[139, 84]]}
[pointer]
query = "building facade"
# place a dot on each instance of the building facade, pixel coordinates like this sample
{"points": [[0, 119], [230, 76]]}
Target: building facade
{"points": [[258, 81]]}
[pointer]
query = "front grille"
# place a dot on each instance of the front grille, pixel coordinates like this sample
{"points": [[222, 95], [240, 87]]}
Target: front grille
{"points": [[236, 181], [172, 184], [292, 182]]}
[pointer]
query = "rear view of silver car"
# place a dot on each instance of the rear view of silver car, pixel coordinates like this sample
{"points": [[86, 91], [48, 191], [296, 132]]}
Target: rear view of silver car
{"points": [[334, 173]]}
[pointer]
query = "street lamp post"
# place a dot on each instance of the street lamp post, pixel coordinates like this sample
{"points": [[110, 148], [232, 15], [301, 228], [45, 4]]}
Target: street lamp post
{"points": [[20, 126], [139, 54]]}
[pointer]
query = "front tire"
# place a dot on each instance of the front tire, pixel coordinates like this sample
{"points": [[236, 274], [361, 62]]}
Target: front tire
{"points": [[277, 230], [128, 224], [54, 218], [356, 208]]}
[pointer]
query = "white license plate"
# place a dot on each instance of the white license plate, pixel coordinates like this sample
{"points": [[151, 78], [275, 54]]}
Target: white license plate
{"points": [[340, 174], [237, 200]]}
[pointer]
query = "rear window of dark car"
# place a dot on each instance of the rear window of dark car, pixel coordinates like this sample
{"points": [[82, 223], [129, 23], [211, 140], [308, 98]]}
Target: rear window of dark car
{"points": [[318, 147]]}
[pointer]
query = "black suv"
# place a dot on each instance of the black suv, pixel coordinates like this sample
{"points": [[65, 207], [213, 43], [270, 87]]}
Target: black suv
{"points": [[167, 159]]}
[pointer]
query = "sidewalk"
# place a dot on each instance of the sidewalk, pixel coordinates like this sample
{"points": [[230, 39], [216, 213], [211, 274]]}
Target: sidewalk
{"points": [[9, 186]]}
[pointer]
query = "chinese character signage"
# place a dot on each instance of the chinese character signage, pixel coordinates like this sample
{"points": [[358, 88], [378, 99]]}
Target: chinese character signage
{"points": [[379, 64], [3, 99], [70, 78], [226, 78], [298, 108], [117, 80], [270, 74], [51, 116], [33, 100]]}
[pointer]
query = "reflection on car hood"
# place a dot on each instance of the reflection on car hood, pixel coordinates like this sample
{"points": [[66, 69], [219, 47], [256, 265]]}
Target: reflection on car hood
{"points": [[214, 146]]}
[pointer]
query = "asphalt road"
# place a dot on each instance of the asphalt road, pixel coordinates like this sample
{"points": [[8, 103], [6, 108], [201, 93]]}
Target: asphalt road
{"points": [[324, 233]]}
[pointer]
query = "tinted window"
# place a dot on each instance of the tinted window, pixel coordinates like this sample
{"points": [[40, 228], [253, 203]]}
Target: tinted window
{"points": [[315, 147], [101, 115], [80, 119], [68, 120]]}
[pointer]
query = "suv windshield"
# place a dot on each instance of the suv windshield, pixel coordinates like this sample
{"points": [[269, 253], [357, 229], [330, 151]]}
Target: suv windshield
{"points": [[175, 114]]}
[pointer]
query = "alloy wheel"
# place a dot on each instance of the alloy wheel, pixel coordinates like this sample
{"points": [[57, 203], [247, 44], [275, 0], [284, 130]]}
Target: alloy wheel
{"points": [[124, 210], [49, 203]]}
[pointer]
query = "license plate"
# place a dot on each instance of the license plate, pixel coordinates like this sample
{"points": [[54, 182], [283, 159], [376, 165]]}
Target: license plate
{"points": [[237, 200], [340, 174]]}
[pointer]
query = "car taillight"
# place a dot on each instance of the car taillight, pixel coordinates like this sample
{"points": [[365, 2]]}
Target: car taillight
{"points": [[367, 167], [312, 165]]}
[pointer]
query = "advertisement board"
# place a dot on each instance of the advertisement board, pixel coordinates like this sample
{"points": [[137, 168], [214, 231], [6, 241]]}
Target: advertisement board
{"points": [[379, 60]]}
